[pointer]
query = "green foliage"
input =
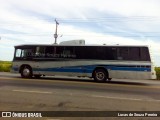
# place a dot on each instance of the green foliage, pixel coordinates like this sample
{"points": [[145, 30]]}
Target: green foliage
{"points": [[5, 66], [157, 69]]}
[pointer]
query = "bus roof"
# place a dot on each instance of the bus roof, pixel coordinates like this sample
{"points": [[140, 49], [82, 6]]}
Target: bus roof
{"points": [[33, 45]]}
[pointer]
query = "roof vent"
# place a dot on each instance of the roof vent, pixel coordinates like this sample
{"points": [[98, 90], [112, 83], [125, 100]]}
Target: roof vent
{"points": [[73, 42]]}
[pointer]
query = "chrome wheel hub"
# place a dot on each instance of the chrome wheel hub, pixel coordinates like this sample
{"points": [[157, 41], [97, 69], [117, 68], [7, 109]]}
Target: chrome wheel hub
{"points": [[26, 72], [100, 75]]}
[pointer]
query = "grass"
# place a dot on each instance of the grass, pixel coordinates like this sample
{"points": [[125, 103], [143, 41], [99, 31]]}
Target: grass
{"points": [[5, 66], [157, 69]]}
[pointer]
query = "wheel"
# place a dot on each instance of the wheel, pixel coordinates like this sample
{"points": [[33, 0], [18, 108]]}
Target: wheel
{"points": [[26, 72], [100, 75]]}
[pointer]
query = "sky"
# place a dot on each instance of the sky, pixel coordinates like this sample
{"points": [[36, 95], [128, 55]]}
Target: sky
{"points": [[123, 22]]}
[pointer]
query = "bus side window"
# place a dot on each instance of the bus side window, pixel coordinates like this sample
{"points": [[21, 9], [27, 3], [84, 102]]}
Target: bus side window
{"points": [[145, 54], [68, 52], [27, 53], [134, 53], [40, 52], [123, 53]]}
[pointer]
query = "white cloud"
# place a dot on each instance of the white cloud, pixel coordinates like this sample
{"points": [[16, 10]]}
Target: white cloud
{"points": [[21, 16], [68, 8]]}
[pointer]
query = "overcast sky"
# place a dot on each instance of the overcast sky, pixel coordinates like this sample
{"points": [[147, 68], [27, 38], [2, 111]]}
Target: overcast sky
{"points": [[134, 22]]}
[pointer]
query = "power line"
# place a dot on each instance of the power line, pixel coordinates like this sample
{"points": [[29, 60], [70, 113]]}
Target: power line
{"points": [[92, 20], [89, 35], [88, 20]]}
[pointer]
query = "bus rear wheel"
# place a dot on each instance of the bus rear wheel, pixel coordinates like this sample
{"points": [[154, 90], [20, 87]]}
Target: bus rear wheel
{"points": [[100, 75], [26, 72]]}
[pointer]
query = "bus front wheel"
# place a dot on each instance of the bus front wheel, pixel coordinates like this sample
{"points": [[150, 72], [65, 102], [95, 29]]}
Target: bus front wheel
{"points": [[26, 72], [100, 75]]}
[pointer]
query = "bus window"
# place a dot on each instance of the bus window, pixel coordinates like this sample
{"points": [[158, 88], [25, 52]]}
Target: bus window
{"points": [[134, 53], [40, 52], [60, 52], [68, 52], [110, 53], [24, 53], [18, 53], [123, 53], [145, 54]]}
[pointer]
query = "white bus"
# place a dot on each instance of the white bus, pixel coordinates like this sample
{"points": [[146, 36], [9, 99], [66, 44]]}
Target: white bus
{"points": [[101, 62]]}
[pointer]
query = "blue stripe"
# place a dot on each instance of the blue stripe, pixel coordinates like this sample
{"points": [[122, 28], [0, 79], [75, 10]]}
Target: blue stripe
{"points": [[15, 68], [90, 68]]}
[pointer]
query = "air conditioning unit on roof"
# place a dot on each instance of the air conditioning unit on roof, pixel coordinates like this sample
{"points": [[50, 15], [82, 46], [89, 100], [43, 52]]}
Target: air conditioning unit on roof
{"points": [[73, 42]]}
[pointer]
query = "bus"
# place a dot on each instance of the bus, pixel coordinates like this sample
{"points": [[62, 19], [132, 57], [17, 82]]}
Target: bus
{"points": [[100, 62]]}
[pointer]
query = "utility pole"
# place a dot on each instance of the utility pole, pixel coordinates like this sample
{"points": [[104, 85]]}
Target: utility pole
{"points": [[56, 35]]}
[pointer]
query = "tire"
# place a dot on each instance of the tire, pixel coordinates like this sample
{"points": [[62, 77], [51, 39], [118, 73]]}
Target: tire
{"points": [[26, 72], [100, 75]]}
